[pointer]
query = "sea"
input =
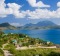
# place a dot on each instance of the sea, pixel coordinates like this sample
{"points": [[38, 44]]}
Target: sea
{"points": [[52, 35]]}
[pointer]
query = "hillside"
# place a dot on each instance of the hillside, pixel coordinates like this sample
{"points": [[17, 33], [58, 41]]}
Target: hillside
{"points": [[4, 26], [41, 25]]}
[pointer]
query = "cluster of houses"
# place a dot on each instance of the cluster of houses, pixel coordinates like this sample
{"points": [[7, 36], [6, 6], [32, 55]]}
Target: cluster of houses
{"points": [[15, 42]]}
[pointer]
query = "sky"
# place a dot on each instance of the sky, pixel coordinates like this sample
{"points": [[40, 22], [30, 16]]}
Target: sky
{"points": [[21, 12]]}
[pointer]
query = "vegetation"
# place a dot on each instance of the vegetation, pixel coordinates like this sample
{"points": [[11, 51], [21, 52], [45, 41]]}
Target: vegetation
{"points": [[1, 52], [35, 52], [20, 39], [12, 40]]}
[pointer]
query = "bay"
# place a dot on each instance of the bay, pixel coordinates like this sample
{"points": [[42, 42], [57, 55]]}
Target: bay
{"points": [[52, 35]]}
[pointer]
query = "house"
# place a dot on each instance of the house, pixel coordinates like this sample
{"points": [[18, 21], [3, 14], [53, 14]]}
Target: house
{"points": [[14, 42], [48, 42]]}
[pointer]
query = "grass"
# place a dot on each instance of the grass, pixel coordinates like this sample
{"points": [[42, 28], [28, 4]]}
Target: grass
{"points": [[1, 53], [38, 51]]}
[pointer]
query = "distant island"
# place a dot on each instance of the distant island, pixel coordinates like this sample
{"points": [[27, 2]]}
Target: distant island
{"points": [[41, 25], [30, 26]]}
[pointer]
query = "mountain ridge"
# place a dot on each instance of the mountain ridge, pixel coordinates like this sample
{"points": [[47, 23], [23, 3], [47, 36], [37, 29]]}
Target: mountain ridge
{"points": [[6, 25], [41, 25]]}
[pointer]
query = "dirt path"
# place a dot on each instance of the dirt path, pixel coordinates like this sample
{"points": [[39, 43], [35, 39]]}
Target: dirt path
{"points": [[6, 52], [24, 48], [4, 45]]}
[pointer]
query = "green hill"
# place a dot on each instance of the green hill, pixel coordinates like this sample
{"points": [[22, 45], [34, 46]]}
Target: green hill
{"points": [[4, 26]]}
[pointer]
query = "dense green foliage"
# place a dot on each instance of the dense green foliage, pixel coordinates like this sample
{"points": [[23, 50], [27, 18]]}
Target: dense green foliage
{"points": [[35, 52], [1, 53], [22, 39]]}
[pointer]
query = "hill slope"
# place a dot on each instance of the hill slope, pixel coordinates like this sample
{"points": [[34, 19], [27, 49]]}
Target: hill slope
{"points": [[4, 26], [41, 25]]}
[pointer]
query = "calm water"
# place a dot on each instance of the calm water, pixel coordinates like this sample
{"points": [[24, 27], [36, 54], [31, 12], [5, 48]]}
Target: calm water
{"points": [[52, 35]]}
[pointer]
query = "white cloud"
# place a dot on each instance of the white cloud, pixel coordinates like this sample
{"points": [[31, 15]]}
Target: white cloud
{"points": [[33, 3], [58, 4], [43, 13], [15, 24], [14, 9], [2, 8], [40, 13]]}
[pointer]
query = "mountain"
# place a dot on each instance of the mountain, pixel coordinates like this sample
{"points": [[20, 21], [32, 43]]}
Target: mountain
{"points": [[41, 25], [6, 25], [46, 23]]}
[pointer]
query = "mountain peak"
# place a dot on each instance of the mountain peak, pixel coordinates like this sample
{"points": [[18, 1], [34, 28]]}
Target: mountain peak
{"points": [[46, 23], [39, 25], [4, 24]]}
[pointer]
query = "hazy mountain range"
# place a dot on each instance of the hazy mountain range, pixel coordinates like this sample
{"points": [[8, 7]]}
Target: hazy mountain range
{"points": [[39, 25]]}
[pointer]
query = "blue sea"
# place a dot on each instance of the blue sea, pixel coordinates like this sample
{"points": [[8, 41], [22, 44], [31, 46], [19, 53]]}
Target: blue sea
{"points": [[52, 35]]}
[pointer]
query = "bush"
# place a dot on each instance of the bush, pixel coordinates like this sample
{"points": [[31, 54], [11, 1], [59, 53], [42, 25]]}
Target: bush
{"points": [[9, 46], [1, 53], [12, 50], [54, 54]]}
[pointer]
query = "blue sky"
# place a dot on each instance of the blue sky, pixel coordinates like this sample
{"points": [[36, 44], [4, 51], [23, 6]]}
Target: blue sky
{"points": [[20, 12], [52, 3]]}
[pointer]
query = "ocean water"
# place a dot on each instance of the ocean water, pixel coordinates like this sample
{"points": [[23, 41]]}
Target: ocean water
{"points": [[52, 35]]}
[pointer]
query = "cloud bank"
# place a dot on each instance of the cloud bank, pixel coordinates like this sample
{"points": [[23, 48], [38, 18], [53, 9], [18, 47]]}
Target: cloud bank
{"points": [[58, 4], [38, 4], [15, 24], [14, 9]]}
